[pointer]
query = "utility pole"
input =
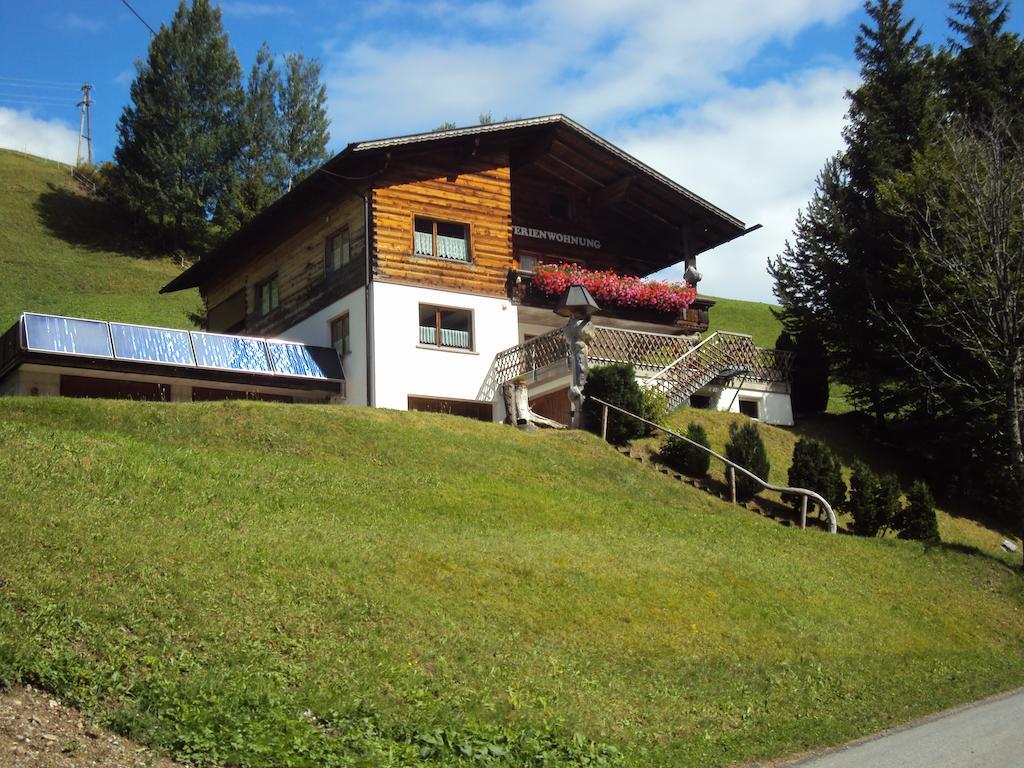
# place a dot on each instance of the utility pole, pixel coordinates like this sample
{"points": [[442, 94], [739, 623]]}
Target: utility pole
{"points": [[85, 126]]}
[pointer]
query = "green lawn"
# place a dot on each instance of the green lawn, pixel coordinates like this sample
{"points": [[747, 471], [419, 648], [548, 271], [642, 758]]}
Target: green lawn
{"points": [[268, 585], [849, 443], [64, 252], [750, 317]]}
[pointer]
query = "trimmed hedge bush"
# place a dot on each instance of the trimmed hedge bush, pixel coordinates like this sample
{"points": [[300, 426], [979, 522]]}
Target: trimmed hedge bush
{"points": [[816, 468], [746, 448], [917, 519], [615, 384], [686, 458], [874, 501]]}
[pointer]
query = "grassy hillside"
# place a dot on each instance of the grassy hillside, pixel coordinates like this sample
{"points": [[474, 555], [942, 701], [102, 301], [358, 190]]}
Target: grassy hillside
{"points": [[849, 443], [67, 253], [259, 584], [750, 317]]}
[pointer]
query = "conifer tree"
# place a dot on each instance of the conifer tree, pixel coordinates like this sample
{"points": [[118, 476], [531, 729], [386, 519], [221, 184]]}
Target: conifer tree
{"points": [[176, 147], [984, 69], [260, 176], [304, 118]]}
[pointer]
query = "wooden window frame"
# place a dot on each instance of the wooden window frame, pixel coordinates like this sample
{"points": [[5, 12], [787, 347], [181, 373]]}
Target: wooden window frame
{"points": [[756, 402], [434, 222], [438, 309], [328, 270], [346, 348], [259, 288]]}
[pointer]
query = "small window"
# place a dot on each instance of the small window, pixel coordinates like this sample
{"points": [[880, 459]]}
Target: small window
{"points": [[441, 239], [268, 296], [446, 328], [750, 408], [340, 334], [560, 206], [337, 251], [700, 401]]}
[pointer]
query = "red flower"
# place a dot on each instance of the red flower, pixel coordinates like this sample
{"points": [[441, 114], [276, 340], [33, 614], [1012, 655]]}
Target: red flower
{"points": [[612, 289]]}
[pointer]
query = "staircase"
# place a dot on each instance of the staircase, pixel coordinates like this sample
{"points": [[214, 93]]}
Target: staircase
{"points": [[721, 356]]}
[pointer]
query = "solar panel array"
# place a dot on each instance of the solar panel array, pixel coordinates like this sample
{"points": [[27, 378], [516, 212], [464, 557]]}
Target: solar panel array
{"points": [[139, 343]]}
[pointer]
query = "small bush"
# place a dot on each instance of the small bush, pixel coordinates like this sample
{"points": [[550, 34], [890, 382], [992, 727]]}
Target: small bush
{"points": [[917, 519], [746, 448], [816, 468], [874, 501], [615, 384], [686, 458], [655, 406]]}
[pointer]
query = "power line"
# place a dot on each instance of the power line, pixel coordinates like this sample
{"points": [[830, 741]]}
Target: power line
{"points": [[13, 84], [129, 7], [32, 97], [46, 83]]}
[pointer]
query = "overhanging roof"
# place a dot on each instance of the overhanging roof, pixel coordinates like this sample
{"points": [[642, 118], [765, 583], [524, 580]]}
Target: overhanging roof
{"points": [[663, 202]]}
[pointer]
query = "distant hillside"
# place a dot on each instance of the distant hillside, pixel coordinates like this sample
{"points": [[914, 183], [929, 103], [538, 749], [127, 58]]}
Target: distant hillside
{"points": [[751, 317], [64, 252], [262, 585]]}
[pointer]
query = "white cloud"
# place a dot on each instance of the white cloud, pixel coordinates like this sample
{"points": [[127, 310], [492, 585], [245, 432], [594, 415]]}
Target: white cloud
{"points": [[21, 131], [254, 10], [657, 78], [755, 153], [78, 23]]}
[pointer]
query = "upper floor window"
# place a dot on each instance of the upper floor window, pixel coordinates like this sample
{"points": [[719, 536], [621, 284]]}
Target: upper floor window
{"points": [[268, 296], [442, 327], [340, 334], [441, 239], [337, 251], [560, 206]]}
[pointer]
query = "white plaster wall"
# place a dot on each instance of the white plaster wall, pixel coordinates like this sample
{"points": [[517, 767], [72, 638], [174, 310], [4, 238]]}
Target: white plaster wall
{"points": [[403, 367], [316, 329], [774, 407]]}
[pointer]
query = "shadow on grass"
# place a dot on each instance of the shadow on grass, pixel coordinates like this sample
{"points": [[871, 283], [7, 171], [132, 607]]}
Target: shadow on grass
{"points": [[89, 222]]}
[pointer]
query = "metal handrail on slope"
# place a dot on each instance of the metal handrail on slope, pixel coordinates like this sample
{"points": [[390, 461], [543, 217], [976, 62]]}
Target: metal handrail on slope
{"points": [[733, 467]]}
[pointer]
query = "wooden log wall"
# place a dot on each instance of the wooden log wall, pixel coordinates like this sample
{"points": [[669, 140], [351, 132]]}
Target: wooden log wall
{"points": [[463, 190], [305, 287]]}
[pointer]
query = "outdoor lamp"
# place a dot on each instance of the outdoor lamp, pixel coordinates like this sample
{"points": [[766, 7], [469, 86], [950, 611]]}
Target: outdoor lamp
{"points": [[576, 301]]}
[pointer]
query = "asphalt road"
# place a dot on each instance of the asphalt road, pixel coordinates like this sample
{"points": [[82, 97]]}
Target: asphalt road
{"points": [[989, 734]]}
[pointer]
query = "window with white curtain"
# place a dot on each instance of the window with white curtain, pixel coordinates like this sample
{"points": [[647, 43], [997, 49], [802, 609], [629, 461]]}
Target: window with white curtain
{"points": [[440, 239], [446, 328]]}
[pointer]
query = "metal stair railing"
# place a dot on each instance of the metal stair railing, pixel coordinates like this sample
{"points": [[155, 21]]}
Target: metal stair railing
{"points": [[731, 467]]}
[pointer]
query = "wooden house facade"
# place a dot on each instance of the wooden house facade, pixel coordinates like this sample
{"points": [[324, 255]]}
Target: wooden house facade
{"points": [[413, 256]]}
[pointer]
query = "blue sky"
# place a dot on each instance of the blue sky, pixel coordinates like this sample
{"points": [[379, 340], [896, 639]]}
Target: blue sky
{"points": [[739, 100]]}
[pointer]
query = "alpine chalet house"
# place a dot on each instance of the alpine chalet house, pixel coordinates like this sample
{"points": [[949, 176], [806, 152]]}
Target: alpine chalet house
{"points": [[426, 262]]}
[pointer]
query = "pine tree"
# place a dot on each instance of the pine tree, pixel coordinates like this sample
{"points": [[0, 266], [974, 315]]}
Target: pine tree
{"points": [[984, 69], [848, 252], [176, 147], [260, 176], [304, 118]]}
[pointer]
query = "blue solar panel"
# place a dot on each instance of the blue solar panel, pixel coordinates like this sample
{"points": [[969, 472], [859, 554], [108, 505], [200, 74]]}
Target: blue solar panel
{"points": [[294, 360], [158, 345], [237, 353], [45, 333]]}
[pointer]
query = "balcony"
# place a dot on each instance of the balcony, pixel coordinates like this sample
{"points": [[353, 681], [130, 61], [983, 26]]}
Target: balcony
{"points": [[693, 319]]}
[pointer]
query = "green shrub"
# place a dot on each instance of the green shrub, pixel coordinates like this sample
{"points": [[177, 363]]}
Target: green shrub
{"points": [[746, 448], [816, 468], [917, 519], [686, 458], [874, 501], [615, 384], [655, 406]]}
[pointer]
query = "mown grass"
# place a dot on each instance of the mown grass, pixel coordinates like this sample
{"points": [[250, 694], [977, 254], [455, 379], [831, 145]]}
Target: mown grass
{"points": [[750, 317], [268, 585], [957, 527], [64, 252]]}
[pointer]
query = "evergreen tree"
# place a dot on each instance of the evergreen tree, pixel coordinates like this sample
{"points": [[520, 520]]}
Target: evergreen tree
{"points": [[917, 519], [816, 468], [847, 255], [746, 448], [304, 120], [260, 175], [984, 67], [176, 146]]}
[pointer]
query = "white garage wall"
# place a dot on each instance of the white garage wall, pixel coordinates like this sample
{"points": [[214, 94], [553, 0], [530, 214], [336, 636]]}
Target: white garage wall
{"points": [[316, 329], [403, 367]]}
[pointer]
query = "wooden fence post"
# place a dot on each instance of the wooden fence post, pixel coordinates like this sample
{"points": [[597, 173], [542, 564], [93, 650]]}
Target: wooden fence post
{"points": [[604, 424], [732, 483], [803, 512]]}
